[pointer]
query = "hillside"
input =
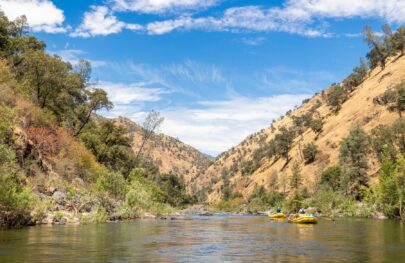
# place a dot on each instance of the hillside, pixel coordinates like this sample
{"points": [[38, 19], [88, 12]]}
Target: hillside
{"points": [[169, 154], [360, 108]]}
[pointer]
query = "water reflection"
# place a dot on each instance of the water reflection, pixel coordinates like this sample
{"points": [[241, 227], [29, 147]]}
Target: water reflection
{"points": [[208, 239]]}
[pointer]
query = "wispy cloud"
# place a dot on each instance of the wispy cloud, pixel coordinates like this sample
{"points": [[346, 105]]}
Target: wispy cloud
{"points": [[287, 80], [215, 126], [302, 17], [121, 93], [42, 15], [74, 55], [159, 6]]}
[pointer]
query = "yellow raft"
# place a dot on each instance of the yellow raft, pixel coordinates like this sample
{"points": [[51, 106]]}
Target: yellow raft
{"points": [[277, 215], [304, 219]]}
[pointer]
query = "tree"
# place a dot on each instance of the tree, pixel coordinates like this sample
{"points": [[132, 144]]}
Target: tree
{"points": [[4, 33], [380, 49], [392, 187], [336, 96], [353, 158], [316, 126], [19, 27], [398, 40], [152, 123], [97, 100], [394, 99], [357, 77], [295, 179], [83, 68], [283, 142], [111, 146], [331, 177], [43, 76], [310, 151], [273, 184]]}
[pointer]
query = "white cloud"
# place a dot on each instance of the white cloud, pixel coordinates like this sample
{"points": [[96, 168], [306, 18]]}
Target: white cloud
{"points": [[160, 6], [295, 16], [101, 21], [237, 19], [42, 15], [124, 94], [218, 125]]}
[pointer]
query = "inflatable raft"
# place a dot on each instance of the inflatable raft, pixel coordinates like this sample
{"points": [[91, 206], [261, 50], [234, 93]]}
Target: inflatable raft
{"points": [[277, 215], [304, 219]]}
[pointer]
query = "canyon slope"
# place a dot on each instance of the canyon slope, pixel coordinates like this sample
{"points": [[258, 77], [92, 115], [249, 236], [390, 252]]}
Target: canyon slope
{"points": [[361, 108], [168, 154]]}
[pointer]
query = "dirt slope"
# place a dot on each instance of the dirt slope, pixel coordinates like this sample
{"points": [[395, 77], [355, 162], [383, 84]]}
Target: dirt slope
{"points": [[359, 108]]}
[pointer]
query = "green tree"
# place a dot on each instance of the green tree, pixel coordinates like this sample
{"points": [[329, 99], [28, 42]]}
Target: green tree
{"points": [[316, 126], [295, 179], [111, 146], [336, 96], [283, 142], [43, 76], [380, 49], [394, 99], [398, 40], [392, 187], [331, 177], [15, 198], [310, 151], [97, 100], [353, 158]]}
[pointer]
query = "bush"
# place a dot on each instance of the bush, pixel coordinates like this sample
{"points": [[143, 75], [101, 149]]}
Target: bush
{"points": [[336, 96], [331, 202], [310, 151], [112, 183], [353, 153], [15, 198], [331, 177]]}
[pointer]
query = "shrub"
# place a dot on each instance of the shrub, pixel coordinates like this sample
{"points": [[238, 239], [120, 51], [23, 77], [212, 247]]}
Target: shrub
{"points": [[353, 153], [15, 198], [112, 183], [336, 96], [331, 177], [310, 151], [331, 202]]}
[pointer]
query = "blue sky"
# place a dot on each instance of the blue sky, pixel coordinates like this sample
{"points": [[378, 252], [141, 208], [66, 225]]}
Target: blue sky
{"points": [[217, 70]]}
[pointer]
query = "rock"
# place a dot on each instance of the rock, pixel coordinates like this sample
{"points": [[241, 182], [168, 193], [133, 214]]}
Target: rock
{"points": [[196, 210], [61, 221], [379, 215], [59, 197], [148, 216]]}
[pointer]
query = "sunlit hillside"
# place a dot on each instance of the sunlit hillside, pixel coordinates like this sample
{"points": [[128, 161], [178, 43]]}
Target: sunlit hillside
{"points": [[362, 108]]}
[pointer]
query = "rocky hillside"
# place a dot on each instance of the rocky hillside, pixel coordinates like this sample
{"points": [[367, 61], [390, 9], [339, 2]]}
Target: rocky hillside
{"points": [[246, 166], [168, 154]]}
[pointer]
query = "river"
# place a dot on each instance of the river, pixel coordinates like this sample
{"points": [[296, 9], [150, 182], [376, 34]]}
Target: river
{"points": [[219, 238]]}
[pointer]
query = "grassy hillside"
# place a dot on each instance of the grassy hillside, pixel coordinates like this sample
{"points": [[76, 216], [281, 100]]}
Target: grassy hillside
{"points": [[167, 153], [359, 108], [317, 147], [58, 163]]}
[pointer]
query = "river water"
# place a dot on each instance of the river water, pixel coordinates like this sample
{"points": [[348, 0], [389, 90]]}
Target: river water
{"points": [[208, 239]]}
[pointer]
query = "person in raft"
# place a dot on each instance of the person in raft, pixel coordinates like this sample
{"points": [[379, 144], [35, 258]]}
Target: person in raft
{"points": [[278, 210], [301, 211]]}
